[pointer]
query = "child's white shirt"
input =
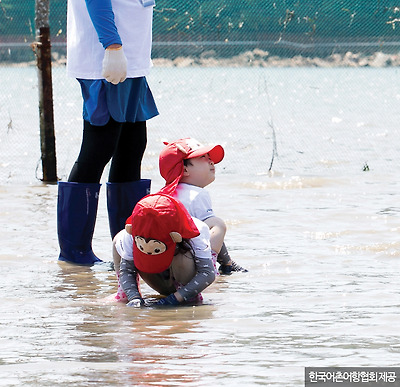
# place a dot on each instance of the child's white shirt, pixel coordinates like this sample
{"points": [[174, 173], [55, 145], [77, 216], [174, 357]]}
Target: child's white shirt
{"points": [[197, 200]]}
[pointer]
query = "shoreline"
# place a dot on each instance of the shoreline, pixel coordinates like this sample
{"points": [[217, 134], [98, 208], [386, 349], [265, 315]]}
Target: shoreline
{"points": [[260, 58], [257, 58]]}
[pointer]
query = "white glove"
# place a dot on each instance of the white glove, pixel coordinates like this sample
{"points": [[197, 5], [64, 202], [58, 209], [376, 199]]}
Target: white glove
{"points": [[114, 65]]}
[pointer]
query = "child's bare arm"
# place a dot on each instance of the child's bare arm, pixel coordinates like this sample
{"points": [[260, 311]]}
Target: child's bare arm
{"points": [[116, 258], [217, 231]]}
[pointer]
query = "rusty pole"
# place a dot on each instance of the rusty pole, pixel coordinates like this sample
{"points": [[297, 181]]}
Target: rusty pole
{"points": [[45, 85]]}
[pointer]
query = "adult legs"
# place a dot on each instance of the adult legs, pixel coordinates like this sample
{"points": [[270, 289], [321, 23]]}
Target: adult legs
{"points": [[78, 198], [128, 154], [99, 143], [125, 187]]}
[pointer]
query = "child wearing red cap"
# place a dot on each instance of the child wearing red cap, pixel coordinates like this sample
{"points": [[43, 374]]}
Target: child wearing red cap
{"points": [[167, 248], [188, 167]]}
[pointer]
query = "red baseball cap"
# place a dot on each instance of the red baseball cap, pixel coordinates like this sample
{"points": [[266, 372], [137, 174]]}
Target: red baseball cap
{"points": [[159, 222], [172, 156]]}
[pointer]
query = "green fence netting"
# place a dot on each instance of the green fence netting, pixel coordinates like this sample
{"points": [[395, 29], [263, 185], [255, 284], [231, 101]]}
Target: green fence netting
{"points": [[225, 35], [284, 28]]}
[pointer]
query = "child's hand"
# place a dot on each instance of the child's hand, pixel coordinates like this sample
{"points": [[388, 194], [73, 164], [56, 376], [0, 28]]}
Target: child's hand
{"points": [[168, 301], [225, 269], [135, 303]]}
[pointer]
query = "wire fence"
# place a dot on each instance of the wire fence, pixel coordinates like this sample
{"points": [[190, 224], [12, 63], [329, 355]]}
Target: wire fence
{"points": [[232, 45]]}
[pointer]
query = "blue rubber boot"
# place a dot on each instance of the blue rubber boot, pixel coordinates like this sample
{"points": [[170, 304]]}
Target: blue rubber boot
{"points": [[76, 217], [121, 199]]}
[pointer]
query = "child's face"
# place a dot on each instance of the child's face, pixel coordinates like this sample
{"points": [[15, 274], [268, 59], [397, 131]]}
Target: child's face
{"points": [[200, 171]]}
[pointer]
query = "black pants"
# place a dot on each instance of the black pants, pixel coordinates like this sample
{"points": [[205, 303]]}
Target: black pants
{"points": [[124, 143]]}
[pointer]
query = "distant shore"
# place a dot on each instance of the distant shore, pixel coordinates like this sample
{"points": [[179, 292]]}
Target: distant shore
{"points": [[260, 58]]}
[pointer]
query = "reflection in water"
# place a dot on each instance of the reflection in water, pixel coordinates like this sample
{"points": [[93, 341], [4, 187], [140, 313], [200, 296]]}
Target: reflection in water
{"points": [[142, 341]]}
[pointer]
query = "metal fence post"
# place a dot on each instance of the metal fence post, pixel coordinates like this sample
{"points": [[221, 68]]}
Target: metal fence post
{"points": [[45, 85]]}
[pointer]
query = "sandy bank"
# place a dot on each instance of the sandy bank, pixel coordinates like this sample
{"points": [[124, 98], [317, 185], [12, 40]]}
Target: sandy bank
{"points": [[260, 58]]}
